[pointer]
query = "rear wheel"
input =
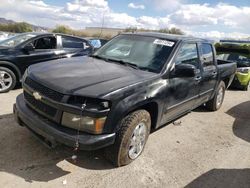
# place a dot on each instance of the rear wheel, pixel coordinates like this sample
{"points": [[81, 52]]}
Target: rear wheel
{"points": [[7, 80], [131, 138], [216, 102]]}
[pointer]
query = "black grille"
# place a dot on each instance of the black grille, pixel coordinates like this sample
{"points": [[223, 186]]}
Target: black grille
{"points": [[47, 92], [46, 109]]}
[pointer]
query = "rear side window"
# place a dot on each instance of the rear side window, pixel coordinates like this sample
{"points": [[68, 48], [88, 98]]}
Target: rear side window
{"points": [[207, 55], [188, 55], [70, 42]]}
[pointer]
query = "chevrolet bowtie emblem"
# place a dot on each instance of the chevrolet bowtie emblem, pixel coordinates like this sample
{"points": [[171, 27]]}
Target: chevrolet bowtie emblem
{"points": [[37, 96]]}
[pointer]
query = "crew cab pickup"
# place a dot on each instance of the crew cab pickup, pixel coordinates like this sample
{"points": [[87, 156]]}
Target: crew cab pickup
{"points": [[113, 99]]}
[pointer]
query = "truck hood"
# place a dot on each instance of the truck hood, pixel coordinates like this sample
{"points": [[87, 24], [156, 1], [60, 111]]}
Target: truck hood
{"points": [[86, 76]]}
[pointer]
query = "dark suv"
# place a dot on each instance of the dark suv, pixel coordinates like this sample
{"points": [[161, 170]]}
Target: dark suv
{"points": [[23, 50]]}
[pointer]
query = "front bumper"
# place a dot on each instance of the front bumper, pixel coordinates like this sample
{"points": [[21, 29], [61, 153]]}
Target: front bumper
{"points": [[53, 133], [243, 78], [240, 80]]}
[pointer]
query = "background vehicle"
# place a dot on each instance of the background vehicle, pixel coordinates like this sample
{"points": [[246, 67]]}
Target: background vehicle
{"points": [[23, 50], [3, 36], [114, 98], [97, 42], [239, 54]]}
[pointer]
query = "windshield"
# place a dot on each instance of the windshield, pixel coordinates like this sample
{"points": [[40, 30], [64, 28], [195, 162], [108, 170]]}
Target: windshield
{"points": [[147, 53], [16, 40]]}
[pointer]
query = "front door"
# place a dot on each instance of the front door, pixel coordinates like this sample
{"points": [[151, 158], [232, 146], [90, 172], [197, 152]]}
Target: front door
{"points": [[182, 92], [45, 48]]}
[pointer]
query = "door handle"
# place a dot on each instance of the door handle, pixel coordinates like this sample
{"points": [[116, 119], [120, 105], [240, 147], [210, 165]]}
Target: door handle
{"points": [[198, 78], [214, 73]]}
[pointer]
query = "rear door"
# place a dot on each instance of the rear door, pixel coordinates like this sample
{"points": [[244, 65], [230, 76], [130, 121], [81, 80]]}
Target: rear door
{"points": [[209, 71], [73, 46], [183, 92]]}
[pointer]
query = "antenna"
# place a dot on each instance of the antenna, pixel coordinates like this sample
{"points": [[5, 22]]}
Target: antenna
{"points": [[102, 25], [98, 38]]}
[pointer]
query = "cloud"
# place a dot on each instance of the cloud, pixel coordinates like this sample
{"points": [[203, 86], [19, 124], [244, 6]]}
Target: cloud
{"points": [[134, 6], [220, 15], [220, 20], [39, 3], [92, 3], [218, 35], [194, 14], [87, 5], [165, 4]]}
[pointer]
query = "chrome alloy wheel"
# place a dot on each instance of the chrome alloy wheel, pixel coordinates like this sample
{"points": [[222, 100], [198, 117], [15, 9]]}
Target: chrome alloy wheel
{"points": [[137, 141], [5, 80], [220, 96]]}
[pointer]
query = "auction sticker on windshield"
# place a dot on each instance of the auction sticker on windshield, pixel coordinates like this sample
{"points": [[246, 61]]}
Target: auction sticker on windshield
{"points": [[164, 42]]}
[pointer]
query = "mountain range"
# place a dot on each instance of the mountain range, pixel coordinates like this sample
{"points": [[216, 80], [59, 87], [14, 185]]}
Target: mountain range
{"points": [[34, 27]]}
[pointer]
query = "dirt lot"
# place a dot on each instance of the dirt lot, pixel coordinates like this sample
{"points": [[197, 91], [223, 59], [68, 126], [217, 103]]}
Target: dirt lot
{"points": [[209, 149]]}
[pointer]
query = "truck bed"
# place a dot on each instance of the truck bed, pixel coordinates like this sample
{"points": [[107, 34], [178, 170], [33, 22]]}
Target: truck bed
{"points": [[227, 69]]}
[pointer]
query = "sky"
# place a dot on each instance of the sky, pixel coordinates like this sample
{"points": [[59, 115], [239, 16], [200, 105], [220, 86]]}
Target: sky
{"points": [[202, 18]]}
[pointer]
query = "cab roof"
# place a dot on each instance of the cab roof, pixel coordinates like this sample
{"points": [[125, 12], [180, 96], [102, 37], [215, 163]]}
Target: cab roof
{"points": [[169, 36]]}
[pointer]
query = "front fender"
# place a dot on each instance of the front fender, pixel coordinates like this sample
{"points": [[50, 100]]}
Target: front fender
{"points": [[152, 93], [12, 66]]}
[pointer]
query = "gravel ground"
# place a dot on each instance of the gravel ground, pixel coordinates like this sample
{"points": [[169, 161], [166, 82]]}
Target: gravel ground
{"points": [[208, 149]]}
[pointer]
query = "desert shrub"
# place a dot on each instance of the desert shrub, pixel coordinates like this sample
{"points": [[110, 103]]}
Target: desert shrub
{"points": [[16, 27]]}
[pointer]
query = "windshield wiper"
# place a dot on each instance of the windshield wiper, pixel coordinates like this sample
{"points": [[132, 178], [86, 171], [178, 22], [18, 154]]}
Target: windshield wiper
{"points": [[99, 57], [117, 61], [125, 63]]}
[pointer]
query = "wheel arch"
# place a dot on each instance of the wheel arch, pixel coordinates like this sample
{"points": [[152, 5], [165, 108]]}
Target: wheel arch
{"points": [[151, 107], [13, 68]]}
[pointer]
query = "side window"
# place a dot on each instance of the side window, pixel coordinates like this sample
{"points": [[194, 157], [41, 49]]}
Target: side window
{"points": [[207, 55], [45, 43], [188, 54], [70, 42]]}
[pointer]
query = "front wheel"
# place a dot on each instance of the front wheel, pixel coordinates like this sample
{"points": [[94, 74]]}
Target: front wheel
{"points": [[131, 138], [215, 103], [7, 80]]}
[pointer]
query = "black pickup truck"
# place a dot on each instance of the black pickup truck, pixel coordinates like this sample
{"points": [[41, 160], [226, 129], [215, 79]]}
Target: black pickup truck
{"points": [[133, 84]]}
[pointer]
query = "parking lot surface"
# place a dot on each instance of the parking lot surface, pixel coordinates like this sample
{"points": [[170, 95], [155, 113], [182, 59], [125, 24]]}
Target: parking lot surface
{"points": [[208, 149]]}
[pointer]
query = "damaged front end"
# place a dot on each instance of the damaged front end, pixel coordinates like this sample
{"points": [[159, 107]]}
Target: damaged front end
{"points": [[61, 118]]}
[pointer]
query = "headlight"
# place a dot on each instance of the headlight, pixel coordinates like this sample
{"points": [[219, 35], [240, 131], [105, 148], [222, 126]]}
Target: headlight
{"points": [[243, 70], [86, 124], [92, 103]]}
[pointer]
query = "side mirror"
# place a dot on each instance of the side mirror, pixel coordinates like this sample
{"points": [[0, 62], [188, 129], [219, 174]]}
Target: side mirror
{"points": [[184, 70], [29, 47]]}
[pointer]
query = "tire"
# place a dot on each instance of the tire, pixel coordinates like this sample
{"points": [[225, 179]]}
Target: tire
{"points": [[215, 103], [7, 80], [245, 88], [122, 152]]}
